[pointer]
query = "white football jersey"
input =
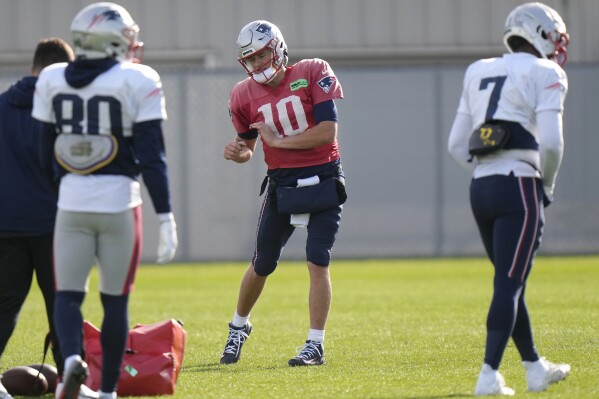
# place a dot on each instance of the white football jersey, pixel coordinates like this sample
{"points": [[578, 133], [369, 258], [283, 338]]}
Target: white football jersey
{"points": [[519, 85], [123, 95], [136, 89], [514, 87]]}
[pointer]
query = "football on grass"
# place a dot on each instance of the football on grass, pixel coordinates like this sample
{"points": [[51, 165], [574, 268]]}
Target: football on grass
{"points": [[23, 380], [49, 372]]}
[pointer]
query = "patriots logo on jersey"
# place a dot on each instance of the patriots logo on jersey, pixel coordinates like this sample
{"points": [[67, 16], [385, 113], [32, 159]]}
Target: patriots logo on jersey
{"points": [[326, 83], [108, 15]]}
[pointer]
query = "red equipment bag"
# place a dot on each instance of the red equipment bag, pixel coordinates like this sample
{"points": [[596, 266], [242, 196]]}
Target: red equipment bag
{"points": [[152, 361]]}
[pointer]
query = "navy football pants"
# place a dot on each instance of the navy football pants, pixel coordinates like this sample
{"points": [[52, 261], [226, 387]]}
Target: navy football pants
{"points": [[509, 213], [274, 229]]}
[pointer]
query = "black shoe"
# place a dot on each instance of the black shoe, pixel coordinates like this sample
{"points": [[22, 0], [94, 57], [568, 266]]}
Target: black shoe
{"points": [[312, 354], [237, 336]]}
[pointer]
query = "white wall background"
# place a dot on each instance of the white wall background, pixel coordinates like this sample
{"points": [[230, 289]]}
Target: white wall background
{"points": [[401, 65], [202, 32]]}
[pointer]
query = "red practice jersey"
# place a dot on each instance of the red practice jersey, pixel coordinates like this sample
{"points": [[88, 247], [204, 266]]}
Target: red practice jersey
{"points": [[287, 110]]}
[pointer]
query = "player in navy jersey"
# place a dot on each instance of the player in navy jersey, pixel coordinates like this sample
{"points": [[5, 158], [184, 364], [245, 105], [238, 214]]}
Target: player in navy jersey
{"points": [[292, 109], [102, 120], [509, 126]]}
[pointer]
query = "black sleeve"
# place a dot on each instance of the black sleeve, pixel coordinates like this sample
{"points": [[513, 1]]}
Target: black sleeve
{"points": [[148, 143], [252, 134], [325, 111]]}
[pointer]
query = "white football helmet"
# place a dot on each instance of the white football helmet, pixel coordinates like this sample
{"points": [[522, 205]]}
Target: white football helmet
{"points": [[105, 29], [541, 26], [256, 36]]}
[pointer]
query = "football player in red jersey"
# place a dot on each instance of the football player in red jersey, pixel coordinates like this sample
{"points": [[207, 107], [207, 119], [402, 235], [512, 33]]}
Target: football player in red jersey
{"points": [[292, 109]]}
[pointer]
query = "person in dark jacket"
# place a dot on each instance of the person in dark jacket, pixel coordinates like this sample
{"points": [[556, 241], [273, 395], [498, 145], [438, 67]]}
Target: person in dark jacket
{"points": [[27, 202]]}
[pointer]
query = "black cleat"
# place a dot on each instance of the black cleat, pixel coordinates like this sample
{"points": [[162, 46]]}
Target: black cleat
{"points": [[237, 337], [312, 354]]}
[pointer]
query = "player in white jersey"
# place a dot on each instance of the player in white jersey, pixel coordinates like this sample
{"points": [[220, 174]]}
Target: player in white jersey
{"points": [[508, 130], [102, 119]]}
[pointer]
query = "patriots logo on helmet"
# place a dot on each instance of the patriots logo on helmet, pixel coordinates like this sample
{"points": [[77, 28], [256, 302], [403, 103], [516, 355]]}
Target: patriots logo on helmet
{"points": [[265, 29], [326, 83], [108, 15]]}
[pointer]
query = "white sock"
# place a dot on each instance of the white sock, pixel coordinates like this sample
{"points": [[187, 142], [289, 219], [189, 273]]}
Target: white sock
{"points": [[239, 321], [536, 365], [106, 395], [69, 360], [316, 335], [487, 369]]}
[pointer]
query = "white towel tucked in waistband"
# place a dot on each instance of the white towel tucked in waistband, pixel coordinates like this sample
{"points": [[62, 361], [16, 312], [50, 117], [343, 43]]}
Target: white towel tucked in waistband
{"points": [[302, 219]]}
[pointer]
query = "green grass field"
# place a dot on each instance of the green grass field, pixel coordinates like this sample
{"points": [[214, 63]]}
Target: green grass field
{"points": [[397, 329]]}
